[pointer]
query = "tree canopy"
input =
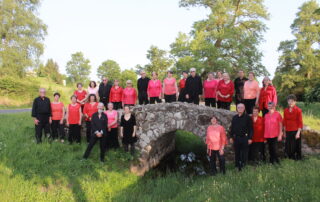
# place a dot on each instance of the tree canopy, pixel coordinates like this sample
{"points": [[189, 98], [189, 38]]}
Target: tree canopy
{"points": [[78, 68], [50, 70], [110, 69]]}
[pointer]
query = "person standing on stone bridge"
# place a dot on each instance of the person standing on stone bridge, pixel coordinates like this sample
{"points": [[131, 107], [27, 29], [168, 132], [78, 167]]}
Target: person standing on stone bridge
{"points": [[182, 85], [142, 85], [193, 87], [238, 85]]}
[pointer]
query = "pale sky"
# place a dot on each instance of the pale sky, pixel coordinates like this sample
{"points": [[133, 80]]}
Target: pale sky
{"points": [[123, 30]]}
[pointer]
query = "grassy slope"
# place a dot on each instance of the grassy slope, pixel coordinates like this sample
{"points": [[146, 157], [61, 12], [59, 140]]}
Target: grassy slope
{"points": [[54, 172]]}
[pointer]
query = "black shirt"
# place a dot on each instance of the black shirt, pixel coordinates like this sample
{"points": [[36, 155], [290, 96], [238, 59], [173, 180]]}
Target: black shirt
{"points": [[193, 86], [104, 90], [99, 124], [41, 107], [142, 85], [241, 126], [238, 86]]}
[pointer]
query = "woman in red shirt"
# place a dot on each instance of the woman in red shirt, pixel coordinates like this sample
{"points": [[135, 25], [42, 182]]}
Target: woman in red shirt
{"points": [[154, 89], [170, 88], [81, 95], [129, 95], [73, 117], [56, 120], [267, 94], [209, 89], [257, 148], [116, 95], [225, 91], [216, 139], [112, 137], [293, 124], [89, 109], [182, 84]]}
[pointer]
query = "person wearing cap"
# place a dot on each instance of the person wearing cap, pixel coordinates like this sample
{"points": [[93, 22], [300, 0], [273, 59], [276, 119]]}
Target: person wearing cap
{"points": [[193, 87], [292, 126], [238, 85], [142, 85], [104, 91], [170, 88], [41, 113], [129, 95], [241, 135], [182, 84], [273, 131], [154, 89]]}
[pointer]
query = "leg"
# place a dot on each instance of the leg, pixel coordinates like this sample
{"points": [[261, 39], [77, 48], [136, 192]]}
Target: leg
{"points": [[78, 133], [213, 103], [152, 100], [228, 105], [222, 163], [298, 153], [213, 167], [244, 151], [54, 129], [132, 149], [126, 147], [61, 131], [92, 142], [102, 148], [38, 133], [289, 144], [158, 100], [71, 133], [115, 142], [88, 130], [237, 153], [196, 100], [207, 102]]}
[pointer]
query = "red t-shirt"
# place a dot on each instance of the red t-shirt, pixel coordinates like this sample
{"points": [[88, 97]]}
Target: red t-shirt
{"points": [[225, 89], [182, 83], [169, 86], [89, 109], [80, 95], [292, 120], [154, 88], [57, 111], [267, 95], [129, 96], [73, 114], [258, 129], [272, 124], [210, 88], [116, 94]]}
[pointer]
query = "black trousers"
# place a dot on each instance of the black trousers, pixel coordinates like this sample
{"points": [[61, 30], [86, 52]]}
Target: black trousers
{"points": [[293, 145], [112, 139], [257, 152], [93, 141], [213, 159], [153, 100], [194, 99], [210, 102], [88, 130], [143, 98], [241, 148], [117, 105], [74, 133], [105, 101], [57, 130], [126, 148], [170, 98], [238, 99], [264, 111], [249, 104], [272, 145], [43, 125], [224, 105], [182, 95]]}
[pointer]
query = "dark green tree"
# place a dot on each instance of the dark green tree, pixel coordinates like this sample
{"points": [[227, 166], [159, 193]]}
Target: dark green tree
{"points": [[78, 68], [50, 70], [109, 69]]}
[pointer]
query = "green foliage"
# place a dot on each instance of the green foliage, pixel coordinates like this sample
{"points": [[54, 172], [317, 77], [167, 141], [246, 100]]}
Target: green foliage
{"points": [[78, 68], [313, 95], [22, 34], [126, 75], [50, 70], [299, 64], [227, 40], [109, 69]]}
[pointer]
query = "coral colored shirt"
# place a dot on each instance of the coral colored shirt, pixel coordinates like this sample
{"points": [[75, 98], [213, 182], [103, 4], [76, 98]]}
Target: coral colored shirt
{"points": [[80, 95], [225, 89], [272, 124], [216, 137], [116, 94], [169, 86], [267, 95], [89, 109], [251, 89], [73, 114], [112, 117], [57, 111], [92, 90], [210, 88], [182, 83], [258, 129], [154, 88], [129, 96], [292, 120]]}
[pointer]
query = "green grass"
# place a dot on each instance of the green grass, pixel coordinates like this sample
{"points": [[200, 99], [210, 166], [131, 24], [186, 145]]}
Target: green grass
{"points": [[55, 172]]}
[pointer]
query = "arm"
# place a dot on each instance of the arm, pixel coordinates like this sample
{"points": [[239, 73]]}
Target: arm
{"points": [[280, 128], [94, 128], [80, 115], [250, 128], [160, 84], [114, 122], [177, 91], [223, 140], [134, 127], [200, 86], [135, 96], [300, 124], [274, 98], [67, 116], [63, 114], [148, 90]]}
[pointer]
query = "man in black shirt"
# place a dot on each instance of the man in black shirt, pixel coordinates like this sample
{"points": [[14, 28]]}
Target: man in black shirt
{"points": [[241, 134], [41, 113], [193, 88], [104, 91], [99, 124], [142, 85], [238, 86]]}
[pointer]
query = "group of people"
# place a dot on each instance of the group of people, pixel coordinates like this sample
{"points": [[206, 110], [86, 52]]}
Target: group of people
{"points": [[249, 132]]}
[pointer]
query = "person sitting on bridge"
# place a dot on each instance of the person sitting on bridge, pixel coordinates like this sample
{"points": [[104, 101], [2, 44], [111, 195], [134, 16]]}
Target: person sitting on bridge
{"points": [[216, 140]]}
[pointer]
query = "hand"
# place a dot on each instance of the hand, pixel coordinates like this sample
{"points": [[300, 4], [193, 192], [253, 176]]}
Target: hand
{"points": [[134, 134], [79, 123], [121, 135], [61, 121], [284, 135], [187, 96], [298, 135], [50, 121], [249, 141], [36, 121], [149, 98], [109, 129], [67, 124], [280, 138], [221, 152], [265, 141], [231, 140]]}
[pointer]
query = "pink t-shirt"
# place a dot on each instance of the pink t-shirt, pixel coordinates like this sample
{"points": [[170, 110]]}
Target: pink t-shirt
{"points": [[210, 88], [169, 86], [92, 90], [251, 89], [154, 88], [129, 96], [272, 124], [112, 117]]}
